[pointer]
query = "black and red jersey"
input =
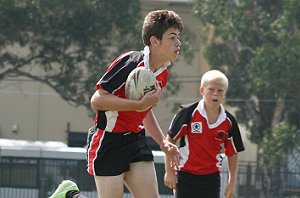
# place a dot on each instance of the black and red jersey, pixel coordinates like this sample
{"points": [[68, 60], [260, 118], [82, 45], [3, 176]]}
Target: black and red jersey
{"points": [[202, 145], [113, 81]]}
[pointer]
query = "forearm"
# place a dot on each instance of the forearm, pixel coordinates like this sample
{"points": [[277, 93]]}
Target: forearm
{"points": [[152, 127], [170, 149], [102, 100], [170, 178], [168, 166], [232, 168]]}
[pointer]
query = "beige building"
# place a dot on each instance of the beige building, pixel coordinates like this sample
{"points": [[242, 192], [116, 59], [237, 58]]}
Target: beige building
{"points": [[33, 111]]}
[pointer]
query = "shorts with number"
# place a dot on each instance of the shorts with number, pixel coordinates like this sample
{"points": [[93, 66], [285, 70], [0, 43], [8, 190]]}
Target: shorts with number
{"points": [[110, 154]]}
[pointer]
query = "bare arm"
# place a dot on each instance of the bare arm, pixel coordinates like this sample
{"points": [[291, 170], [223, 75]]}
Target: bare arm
{"points": [[152, 127], [170, 178], [103, 100], [232, 170]]}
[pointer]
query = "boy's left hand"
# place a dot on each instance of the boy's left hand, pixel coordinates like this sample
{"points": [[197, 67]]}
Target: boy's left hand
{"points": [[170, 179], [229, 191], [172, 151]]}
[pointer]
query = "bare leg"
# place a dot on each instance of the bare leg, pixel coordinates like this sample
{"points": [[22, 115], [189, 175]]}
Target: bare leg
{"points": [[110, 186], [141, 180]]}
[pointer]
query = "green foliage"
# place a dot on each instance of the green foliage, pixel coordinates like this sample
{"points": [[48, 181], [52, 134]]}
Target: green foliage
{"points": [[68, 44], [65, 44], [187, 45], [256, 43], [275, 147]]}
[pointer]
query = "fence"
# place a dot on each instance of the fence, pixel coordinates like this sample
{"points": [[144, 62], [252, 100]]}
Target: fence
{"points": [[34, 172]]}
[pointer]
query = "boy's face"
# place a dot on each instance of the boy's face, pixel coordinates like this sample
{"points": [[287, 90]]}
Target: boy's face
{"points": [[169, 45], [214, 93]]}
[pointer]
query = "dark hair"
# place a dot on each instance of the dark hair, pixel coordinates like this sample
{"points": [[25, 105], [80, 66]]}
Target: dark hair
{"points": [[157, 22]]}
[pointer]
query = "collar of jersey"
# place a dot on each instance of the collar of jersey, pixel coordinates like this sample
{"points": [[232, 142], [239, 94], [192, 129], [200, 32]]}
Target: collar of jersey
{"points": [[221, 118], [146, 60]]}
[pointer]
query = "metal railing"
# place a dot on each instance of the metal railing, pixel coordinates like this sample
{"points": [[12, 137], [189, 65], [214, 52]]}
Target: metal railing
{"points": [[36, 173]]}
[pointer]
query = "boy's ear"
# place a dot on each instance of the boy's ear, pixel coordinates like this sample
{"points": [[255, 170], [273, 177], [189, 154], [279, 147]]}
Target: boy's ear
{"points": [[201, 89], [154, 41]]}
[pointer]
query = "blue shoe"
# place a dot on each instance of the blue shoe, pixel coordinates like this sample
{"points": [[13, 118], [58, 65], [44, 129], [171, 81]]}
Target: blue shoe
{"points": [[63, 188]]}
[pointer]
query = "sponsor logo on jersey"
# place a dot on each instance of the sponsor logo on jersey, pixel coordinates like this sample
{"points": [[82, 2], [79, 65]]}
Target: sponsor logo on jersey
{"points": [[221, 135], [196, 127]]}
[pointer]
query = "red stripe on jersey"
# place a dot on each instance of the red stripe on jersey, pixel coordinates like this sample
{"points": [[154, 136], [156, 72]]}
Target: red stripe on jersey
{"points": [[202, 145], [93, 149], [230, 147], [117, 60], [132, 120], [113, 81], [182, 132], [98, 86], [127, 121], [202, 151]]}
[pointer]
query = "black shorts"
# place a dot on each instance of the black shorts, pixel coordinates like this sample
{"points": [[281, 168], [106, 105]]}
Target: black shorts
{"points": [[110, 154], [191, 185]]}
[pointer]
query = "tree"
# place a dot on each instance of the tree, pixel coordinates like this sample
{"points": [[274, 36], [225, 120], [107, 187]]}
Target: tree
{"points": [[67, 44], [257, 44]]}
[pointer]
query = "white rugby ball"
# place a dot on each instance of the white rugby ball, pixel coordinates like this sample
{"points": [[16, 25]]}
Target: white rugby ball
{"points": [[139, 82]]}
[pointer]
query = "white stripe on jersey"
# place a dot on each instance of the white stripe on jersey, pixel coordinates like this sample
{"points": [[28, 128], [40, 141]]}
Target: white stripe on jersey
{"points": [[111, 117], [184, 152]]}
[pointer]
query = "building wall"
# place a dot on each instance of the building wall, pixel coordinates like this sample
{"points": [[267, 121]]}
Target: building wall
{"points": [[33, 111]]}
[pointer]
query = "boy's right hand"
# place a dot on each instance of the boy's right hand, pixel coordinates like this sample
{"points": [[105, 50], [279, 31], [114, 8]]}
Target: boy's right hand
{"points": [[170, 179], [149, 99]]}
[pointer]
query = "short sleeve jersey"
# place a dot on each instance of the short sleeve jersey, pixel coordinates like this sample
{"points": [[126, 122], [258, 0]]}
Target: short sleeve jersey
{"points": [[113, 81], [202, 145]]}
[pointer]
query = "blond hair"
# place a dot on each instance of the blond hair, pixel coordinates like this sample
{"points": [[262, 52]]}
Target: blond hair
{"points": [[214, 75]]}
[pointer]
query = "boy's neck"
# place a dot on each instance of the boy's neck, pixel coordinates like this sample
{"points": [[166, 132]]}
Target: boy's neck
{"points": [[212, 112], [155, 66], [156, 61]]}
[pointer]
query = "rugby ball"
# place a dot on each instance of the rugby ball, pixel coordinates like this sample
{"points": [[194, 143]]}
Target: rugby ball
{"points": [[139, 82]]}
